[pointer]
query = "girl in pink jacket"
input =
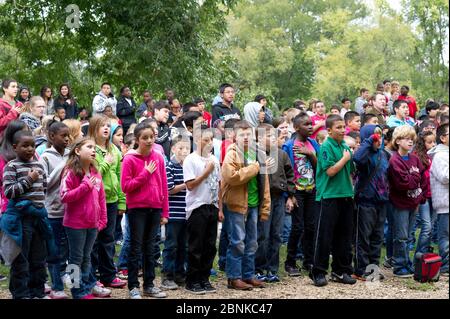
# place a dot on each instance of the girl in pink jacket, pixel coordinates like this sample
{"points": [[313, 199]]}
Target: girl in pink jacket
{"points": [[84, 214], [144, 182]]}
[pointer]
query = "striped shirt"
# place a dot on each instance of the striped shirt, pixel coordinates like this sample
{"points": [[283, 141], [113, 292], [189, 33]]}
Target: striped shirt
{"points": [[177, 202], [18, 185]]}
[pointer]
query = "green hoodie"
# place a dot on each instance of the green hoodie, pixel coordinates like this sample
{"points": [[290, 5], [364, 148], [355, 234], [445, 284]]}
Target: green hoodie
{"points": [[111, 175]]}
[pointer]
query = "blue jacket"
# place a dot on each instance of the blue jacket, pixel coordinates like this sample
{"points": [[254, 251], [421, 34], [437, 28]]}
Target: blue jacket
{"points": [[375, 191], [289, 145], [11, 226]]}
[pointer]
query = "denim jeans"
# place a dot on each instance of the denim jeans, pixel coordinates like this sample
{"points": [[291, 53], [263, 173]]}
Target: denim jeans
{"points": [[426, 218], [223, 240], [287, 224], [389, 230], [403, 219], [269, 237], [81, 242], [118, 235], [125, 250], [144, 225], [442, 222], [175, 249], [27, 273], [104, 248], [243, 244], [56, 262]]}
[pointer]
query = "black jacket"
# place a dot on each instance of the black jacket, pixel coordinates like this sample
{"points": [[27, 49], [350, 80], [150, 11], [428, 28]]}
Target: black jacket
{"points": [[71, 109], [220, 111], [126, 112]]}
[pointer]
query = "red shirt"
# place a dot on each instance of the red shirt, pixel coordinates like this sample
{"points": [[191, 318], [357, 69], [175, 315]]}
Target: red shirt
{"points": [[411, 101], [316, 118], [207, 117], [223, 149]]}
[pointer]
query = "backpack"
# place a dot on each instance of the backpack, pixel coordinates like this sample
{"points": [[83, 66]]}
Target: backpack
{"points": [[427, 267]]}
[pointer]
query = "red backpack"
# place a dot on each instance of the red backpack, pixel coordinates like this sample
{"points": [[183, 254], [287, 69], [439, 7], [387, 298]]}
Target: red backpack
{"points": [[427, 267]]}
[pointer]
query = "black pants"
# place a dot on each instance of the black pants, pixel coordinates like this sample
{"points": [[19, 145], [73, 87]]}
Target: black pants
{"points": [[102, 256], [144, 224], [28, 273], [334, 235], [202, 234], [369, 236], [303, 224]]}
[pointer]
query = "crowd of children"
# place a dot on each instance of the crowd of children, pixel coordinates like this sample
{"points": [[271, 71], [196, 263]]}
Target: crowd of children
{"points": [[71, 183]]}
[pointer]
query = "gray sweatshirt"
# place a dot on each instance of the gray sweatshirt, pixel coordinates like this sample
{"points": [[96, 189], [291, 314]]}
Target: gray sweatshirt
{"points": [[53, 164], [439, 178]]}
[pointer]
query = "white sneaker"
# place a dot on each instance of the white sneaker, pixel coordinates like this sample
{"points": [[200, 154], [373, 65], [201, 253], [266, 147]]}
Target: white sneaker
{"points": [[101, 292], [47, 289], [58, 295], [67, 281], [135, 293]]}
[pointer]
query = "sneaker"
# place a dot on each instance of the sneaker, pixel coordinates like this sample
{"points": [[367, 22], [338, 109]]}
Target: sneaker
{"points": [[87, 297], [272, 277], [154, 292], [261, 276], [98, 283], [47, 289], [123, 274], [67, 281], [292, 271], [388, 263], [444, 274], [101, 292], [319, 280], [209, 289], [45, 297], [168, 284], [3, 278], [58, 295], [116, 283], [403, 273], [195, 289], [135, 293], [345, 279], [180, 280], [140, 273]]}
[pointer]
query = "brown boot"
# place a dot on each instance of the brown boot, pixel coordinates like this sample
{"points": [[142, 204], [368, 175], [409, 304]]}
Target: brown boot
{"points": [[238, 284], [255, 283]]}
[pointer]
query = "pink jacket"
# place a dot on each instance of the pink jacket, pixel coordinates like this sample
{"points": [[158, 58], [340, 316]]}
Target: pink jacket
{"points": [[142, 189], [7, 115], [84, 203]]}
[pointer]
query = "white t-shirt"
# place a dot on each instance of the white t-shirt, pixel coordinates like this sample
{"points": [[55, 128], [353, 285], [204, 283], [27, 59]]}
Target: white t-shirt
{"points": [[343, 111], [207, 193]]}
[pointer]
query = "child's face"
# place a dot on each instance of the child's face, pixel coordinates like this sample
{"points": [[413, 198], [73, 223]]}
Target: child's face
{"points": [[320, 108], [445, 139], [162, 115], [64, 90], [402, 111], [405, 144], [357, 143], [243, 137], [86, 152], [108, 111], [60, 139], [351, 143], [104, 130], [155, 129], [181, 150], [38, 109], [355, 123], [304, 127], [205, 142], [433, 113], [83, 114], [146, 139], [61, 113], [430, 142], [261, 116], [118, 137], [201, 106], [373, 120], [24, 94], [337, 131], [25, 148], [269, 139], [347, 105], [335, 111], [283, 130]]}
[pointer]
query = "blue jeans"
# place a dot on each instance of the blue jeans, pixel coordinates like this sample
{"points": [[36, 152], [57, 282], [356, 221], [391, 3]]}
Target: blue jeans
{"points": [[442, 222], [243, 244], [125, 250], [403, 219], [175, 249], [269, 238], [287, 224], [55, 262], [426, 218], [81, 242], [389, 230], [223, 240]]}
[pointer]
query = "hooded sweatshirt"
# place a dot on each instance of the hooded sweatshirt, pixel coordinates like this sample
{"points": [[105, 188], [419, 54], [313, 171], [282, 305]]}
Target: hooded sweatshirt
{"points": [[143, 189], [439, 177], [84, 202], [111, 175], [30, 120], [223, 112], [251, 113], [407, 180], [101, 101], [54, 163], [376, 190], [7, 114]]}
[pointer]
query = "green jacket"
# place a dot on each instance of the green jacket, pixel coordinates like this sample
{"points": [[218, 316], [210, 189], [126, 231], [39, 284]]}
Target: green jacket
{"points": [[111, 175]]}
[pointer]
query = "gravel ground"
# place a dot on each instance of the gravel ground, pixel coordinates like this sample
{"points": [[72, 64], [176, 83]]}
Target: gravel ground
{"points": [[302, 288]]}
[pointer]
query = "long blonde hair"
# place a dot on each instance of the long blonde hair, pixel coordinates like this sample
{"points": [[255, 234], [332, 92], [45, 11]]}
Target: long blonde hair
{"points": [[74, 130], [95, 123]]}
